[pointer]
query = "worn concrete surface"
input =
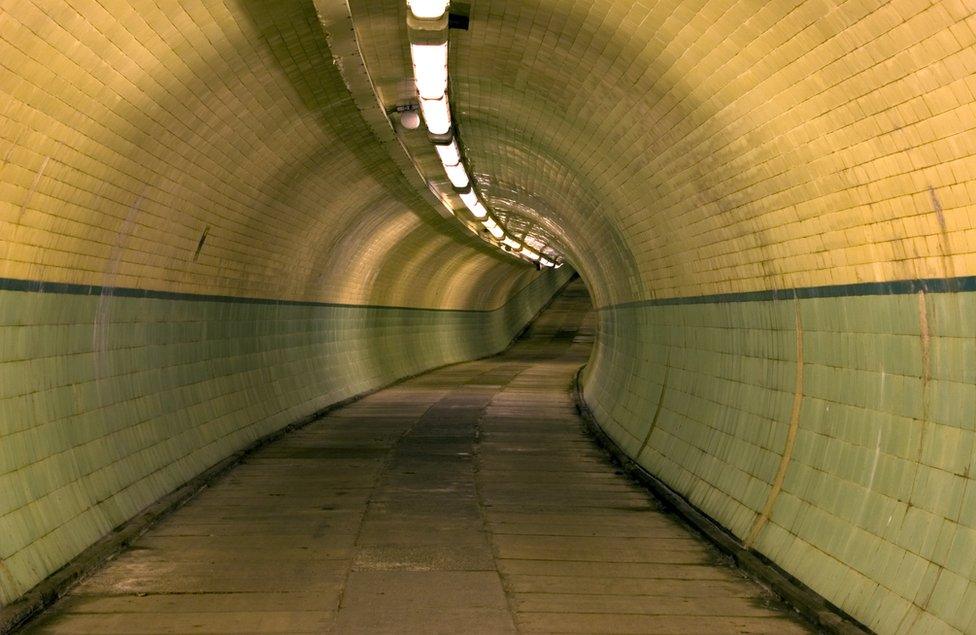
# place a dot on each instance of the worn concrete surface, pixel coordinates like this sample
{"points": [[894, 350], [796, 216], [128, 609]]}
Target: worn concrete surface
{"points": [[466, 500]]}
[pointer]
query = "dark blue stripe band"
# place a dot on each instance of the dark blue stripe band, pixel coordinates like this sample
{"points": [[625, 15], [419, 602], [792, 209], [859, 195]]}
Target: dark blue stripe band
{"points": [[38, 286], [897, 287]]}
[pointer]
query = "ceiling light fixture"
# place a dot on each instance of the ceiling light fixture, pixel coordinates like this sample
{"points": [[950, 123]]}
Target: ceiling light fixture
{"points": [[511, 242], [470, 200], [449, 153], [478, 210], [428, 9], [437, 114], [430, 69], [494, 229], [429, 53], [457, 175]]}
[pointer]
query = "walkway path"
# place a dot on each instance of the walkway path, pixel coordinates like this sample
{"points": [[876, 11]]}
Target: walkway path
{"points": [[467, 500]]}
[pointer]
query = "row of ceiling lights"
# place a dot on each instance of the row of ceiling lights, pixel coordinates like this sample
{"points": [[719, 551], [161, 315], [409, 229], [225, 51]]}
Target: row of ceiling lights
{"points": [[428, 22]]}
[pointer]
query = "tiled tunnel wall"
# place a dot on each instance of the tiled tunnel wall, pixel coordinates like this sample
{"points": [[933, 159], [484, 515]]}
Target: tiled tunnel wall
{"points": [[772, 204], [869, 398], [201, 241], [111, 402]]}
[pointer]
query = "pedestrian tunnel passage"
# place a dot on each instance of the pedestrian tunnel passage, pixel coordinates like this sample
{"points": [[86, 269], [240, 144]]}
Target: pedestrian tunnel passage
{"points": [[218, 219], [468, 499]]}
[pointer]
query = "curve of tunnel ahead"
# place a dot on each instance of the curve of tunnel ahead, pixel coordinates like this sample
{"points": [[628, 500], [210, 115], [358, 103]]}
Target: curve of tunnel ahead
{"points": [[205, 237], [467, 500]]}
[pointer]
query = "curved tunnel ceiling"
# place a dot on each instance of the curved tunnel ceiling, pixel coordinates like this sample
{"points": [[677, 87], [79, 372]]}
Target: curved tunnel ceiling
{"points": [[716, 147], [159, 125]]}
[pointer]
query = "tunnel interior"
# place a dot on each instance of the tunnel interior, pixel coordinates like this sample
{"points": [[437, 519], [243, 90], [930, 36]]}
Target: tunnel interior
{"points": [[213, 225]]}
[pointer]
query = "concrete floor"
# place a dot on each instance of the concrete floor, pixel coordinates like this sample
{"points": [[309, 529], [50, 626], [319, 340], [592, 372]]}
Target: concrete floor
{"points": [[466, 500]]}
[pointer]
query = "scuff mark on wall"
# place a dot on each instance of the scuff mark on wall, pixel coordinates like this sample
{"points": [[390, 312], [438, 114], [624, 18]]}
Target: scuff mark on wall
{"points": [[33, 188], [794, 425], [660, 405], [948, 268]]}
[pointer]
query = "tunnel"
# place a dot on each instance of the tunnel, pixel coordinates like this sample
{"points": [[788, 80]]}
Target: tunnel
{"points": [[488, 316]]}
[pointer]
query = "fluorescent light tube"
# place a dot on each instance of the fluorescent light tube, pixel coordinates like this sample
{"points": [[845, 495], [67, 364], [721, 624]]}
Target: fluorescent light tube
{"points": [[511, 242], [457, 175], [528, 253], [478, 210], [545, 262], [470, 200], [437, 115], [428, 9], [430, 69], [494, 229], [449, 153]]}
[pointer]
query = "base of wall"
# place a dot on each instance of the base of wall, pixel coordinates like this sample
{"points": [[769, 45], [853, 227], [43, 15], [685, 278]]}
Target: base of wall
{"points": [[806, 601]]}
